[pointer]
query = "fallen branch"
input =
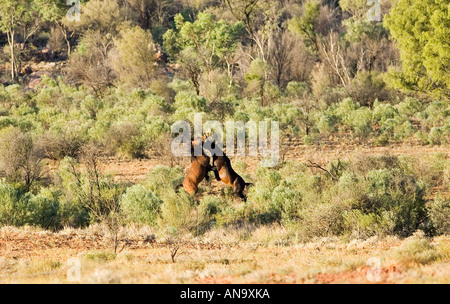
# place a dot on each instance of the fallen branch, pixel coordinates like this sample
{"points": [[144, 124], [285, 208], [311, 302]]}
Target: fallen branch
{"points": [[315, 165]]}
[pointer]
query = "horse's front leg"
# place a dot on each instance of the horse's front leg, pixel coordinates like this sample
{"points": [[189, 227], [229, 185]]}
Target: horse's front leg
{"points": [[216, 173]]}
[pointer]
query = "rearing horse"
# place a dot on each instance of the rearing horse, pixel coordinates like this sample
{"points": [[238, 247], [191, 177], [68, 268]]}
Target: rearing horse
{"points": [[224, 172], [200, 166]]}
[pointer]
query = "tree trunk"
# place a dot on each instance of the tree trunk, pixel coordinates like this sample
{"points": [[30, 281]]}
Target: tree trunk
{"points": [[10, 35]]}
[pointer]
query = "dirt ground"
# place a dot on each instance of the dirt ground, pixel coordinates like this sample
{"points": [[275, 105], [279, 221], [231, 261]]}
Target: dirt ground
{"points": [[31, 256]]}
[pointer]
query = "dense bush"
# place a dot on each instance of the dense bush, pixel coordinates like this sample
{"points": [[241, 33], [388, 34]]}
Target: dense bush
{"points": [[14, 207], [439, 211], [140, 205]]}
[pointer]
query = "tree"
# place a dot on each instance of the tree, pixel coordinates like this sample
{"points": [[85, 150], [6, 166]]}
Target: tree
{"points": [[421, 29], [257, 78], [56, 12], [134, 57], [369, 45], [108, 17], [21, 19], [15, 13], [95, 192], [20, 160], [260, 19], [89, 64], [202, 46], [148, 13], [306, 25]]}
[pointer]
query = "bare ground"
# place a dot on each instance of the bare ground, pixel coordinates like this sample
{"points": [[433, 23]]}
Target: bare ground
{"points": [[31, 256]]}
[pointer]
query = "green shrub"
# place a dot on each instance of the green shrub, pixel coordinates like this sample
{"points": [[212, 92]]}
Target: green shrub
{"points": [[366, 87], [328, 122], [156, 132], [72, 214], [186, 105], [397, 198], [297, 89], [373, 196], [259, 200], [100, 256], [383, 112], [344, 110], [163, 179], [436, 136], [322, 219], [285, 203], [20, 160], [360, 121], [14, 205], [439, 214], [125, 138], [140, 205], [209, 209], [434, 114], [12, 93], [409, 107], [44, 209], [267, 177], [416, 249], [178, 211], [405, 130]]}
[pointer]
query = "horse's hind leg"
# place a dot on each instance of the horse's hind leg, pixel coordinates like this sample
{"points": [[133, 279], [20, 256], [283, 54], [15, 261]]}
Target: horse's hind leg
{"points": [[216, 174], [238, 189]]}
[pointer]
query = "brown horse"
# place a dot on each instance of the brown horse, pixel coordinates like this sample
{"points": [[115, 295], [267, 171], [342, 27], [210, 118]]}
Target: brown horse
{"points": [[225, 173], [200, 166]]}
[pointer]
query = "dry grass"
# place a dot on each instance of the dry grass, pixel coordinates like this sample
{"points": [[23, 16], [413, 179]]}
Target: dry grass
{"points": [[245, 254]]}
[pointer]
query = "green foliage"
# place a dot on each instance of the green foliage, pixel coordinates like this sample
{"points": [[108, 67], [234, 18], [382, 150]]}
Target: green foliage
{"points": [[417, 249], [125, 139], [257, 79], [20, 161], [44, 208], [134, 61], [105, 16], [187, 104], [18, 208], [305, 25], [14, 209], [162, 179], [420, 27], [119, 93], [140, 205], [439, 213], [203, 45]]}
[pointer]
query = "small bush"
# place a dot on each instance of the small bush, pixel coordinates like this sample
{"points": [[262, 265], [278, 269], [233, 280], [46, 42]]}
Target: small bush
{"points": [[436, 136], [285, 203], [20, 160], [44, 209], [100, 256], [125, 139], [163, 179], [140, 205], [14, 206], [178, 211], [186, 105], [439, 213], [416, 249]]}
